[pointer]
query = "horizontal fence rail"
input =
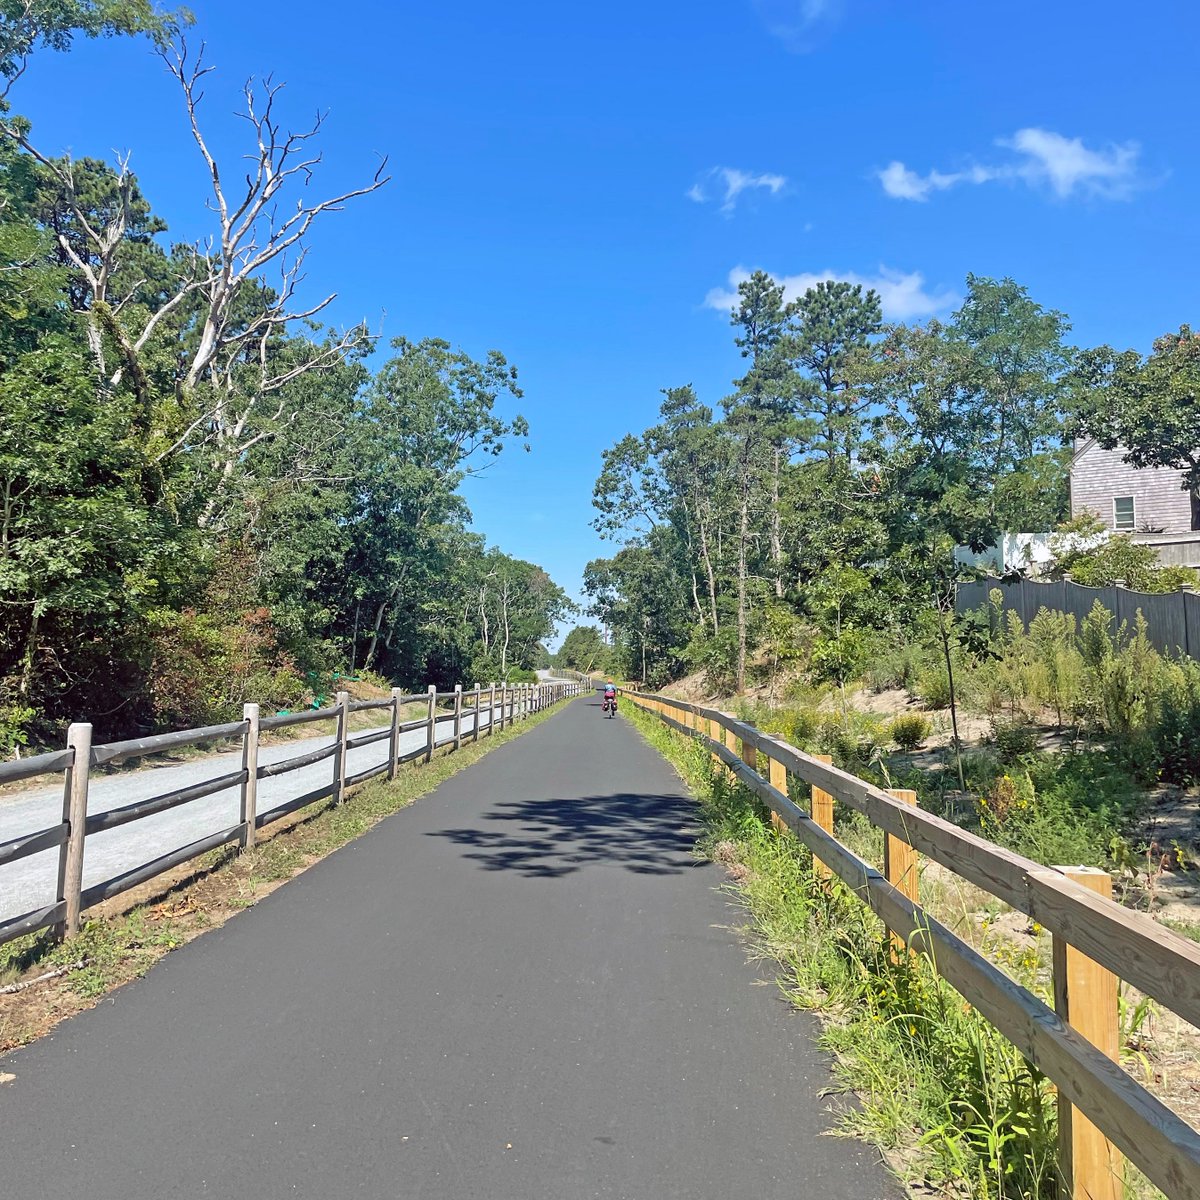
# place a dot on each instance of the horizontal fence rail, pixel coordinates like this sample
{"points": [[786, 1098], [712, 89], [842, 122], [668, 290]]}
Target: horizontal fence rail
{"points": [[490, 707], [1090, 931]]}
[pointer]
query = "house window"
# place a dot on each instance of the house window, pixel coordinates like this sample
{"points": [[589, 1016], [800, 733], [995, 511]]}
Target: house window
{"points": [[1123, 516]]}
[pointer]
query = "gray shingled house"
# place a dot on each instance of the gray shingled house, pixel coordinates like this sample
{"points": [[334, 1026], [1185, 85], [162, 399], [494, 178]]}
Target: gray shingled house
{"points": [[1148, 503]]}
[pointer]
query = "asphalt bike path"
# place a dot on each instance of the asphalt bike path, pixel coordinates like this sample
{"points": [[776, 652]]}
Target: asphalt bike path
{"points": [[524, 987]]}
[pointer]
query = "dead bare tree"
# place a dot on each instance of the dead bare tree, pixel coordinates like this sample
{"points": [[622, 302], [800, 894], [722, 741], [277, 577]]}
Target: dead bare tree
{"points": [[232, 388]]}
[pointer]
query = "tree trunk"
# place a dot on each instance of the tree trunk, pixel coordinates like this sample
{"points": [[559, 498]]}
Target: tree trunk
{"points": [[962, 783], [354, 637], [30, 653], [743, 536], [374, 644], [711, 575], [776, 525]]}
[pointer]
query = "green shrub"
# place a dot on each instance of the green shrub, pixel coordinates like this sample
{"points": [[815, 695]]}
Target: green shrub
{"points": [[909, 730], [1177, 732], [1063, 808], [854, 739], [14, 727], [897, 669], [1013, 739], [933, 687]]}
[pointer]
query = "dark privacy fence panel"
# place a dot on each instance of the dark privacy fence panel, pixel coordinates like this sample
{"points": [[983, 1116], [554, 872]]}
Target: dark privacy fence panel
{"points": [[1172, 619]]}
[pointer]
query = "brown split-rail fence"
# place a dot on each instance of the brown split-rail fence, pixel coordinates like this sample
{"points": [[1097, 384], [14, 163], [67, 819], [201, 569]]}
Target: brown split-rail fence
{"points": [[1103, 1110], [489, 708]]}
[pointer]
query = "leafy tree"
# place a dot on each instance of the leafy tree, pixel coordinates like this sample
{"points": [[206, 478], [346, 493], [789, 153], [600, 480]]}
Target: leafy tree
{"points": [[583, 649], [1150, 406], [833, 323], [26, 25]]}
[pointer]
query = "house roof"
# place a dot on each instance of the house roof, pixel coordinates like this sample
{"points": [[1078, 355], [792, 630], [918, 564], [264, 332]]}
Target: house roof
{"points": [[1082, 448]]}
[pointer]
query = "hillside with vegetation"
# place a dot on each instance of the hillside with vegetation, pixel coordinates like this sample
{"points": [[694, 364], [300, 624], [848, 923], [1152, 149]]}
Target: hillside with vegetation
{"points": [[790, 551]]}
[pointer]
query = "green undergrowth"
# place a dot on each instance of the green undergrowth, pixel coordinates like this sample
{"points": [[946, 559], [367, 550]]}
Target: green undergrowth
{"points": [[951, 1102], [117, 948], [1075, 804]]}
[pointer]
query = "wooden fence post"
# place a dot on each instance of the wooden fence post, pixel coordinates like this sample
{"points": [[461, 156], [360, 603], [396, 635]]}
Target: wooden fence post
{"points": [[478, 706], [339, 757], [900, 865], [249, 793], [70, 853], [503, 704], [822, 814], [492, 711], [394, 738], [457, 716], [779, 781], [713, 728], [1085, 996], [431, 727]]}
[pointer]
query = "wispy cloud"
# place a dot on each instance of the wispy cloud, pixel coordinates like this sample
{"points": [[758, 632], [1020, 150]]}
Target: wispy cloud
{"points": [[798, 23], [1043, 159], [904, 295], [723, 186]]}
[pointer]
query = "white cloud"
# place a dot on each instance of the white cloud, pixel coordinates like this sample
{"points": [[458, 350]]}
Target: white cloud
{"points": [[796, 23], [1044, 159], [1066, 164], [726, 184], [904, 184], [904, 296]]}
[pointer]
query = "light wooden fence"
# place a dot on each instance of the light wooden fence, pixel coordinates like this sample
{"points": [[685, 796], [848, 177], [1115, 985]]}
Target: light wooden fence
{"points": [[1096, 942], [491, 707]]}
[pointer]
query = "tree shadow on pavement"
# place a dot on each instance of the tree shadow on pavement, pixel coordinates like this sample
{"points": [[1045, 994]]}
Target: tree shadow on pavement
{"points": [[547, 839]]}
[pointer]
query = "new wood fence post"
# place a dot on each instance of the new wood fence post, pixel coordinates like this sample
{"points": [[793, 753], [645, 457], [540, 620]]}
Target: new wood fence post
{"points": [[779, 781], [822, 814], [712, 727], [394, 738], [749, 755], [900, 865], [1085, 996], [457, 716], [70, 853], [431, 727], [339, 757], [249, 794], [730, 740], [492, 711]]}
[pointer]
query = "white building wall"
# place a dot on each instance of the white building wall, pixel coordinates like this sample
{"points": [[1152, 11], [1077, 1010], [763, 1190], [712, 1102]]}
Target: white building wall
{"points": [[1098, 476]]}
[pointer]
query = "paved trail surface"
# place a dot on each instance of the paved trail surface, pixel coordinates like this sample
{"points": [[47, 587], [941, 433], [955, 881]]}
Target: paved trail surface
{"points": [[523, 988]]}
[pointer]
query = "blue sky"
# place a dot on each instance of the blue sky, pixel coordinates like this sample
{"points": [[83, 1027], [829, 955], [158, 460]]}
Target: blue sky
{"points": [[579, 186]]}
